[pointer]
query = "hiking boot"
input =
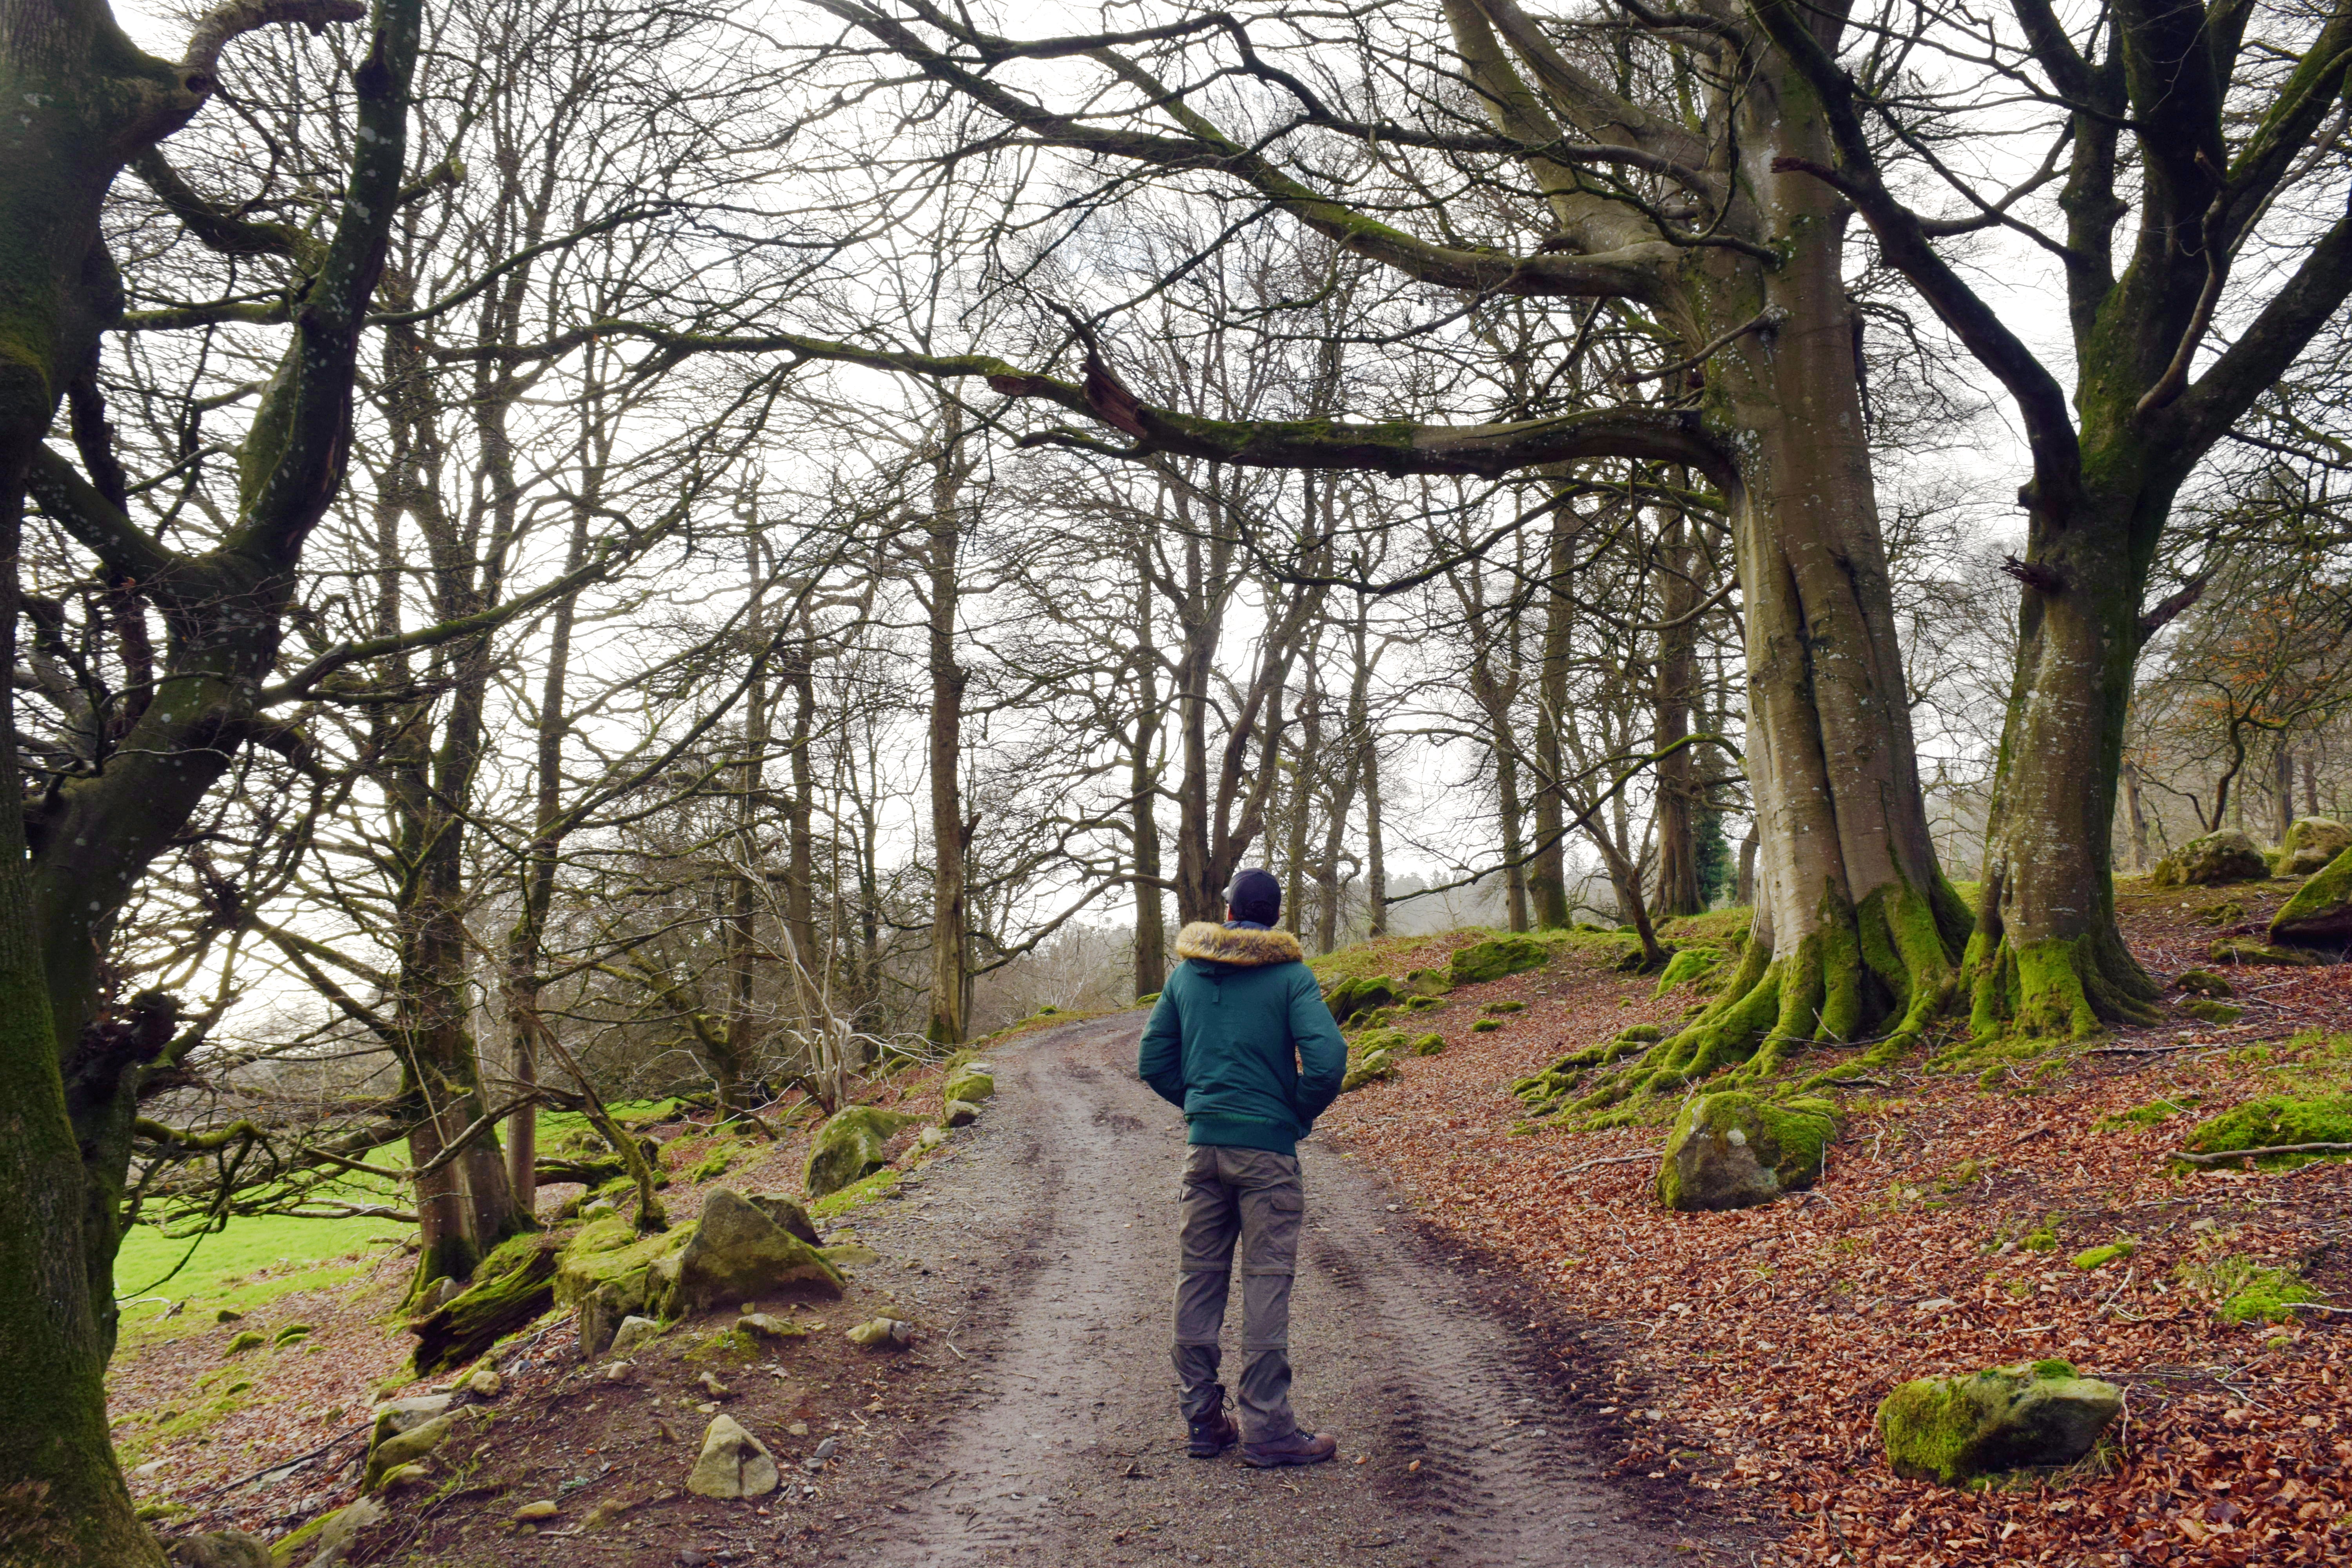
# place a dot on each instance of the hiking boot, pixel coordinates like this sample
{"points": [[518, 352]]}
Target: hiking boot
{"points": [[1213, 1435], [1299, 1448]]}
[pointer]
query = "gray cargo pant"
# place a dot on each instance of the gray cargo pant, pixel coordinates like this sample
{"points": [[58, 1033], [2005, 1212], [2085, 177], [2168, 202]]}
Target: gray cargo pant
{"points": [[1255, 1197]]}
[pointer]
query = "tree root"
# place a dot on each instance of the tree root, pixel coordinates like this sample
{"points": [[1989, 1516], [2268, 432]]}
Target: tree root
{"points": [[2028, 999], [1886, 962]]}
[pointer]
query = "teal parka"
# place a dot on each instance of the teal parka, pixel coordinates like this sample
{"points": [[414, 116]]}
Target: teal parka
{"points": [[1242, 1041]]}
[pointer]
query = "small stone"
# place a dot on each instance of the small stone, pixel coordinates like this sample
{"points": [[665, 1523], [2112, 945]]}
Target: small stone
{"points": [[707, 1407], [1935, 1304], [930, 1137], [634, 1332], [749, 1309], [543, 1508], [798, 1429], [768, 1326], [618, 1372], [149, 1468], [827, 1449], [962, 1113], [693, 1557], [732, 1463], [711, 1385], [228, 1315], [400, 1478], [599, 1209], [882, 1333], [485, 1384]]}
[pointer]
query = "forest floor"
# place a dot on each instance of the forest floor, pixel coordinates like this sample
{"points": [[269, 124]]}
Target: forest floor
{"points": [[1525, 1359]]}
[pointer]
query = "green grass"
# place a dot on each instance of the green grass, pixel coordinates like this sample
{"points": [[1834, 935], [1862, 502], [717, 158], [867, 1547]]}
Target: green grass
{"points": [[257, 1259]]}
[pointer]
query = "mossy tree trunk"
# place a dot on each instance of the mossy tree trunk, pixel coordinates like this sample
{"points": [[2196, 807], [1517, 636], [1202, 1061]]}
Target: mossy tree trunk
{"points": [[2178, 113], [84, 102], [950, 834]]}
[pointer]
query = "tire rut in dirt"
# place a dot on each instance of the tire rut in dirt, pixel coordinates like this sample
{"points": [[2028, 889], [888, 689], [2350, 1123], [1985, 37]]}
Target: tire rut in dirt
{"points": [[1074, 1455]]}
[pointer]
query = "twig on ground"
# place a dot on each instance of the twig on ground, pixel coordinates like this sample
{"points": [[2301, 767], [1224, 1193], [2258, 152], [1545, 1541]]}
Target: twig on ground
{"points": [[2227, 1155], [1615, 1160]]}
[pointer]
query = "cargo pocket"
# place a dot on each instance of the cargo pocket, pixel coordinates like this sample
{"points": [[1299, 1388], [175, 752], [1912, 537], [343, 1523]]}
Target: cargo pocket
{"points": [[1271, 1217]]}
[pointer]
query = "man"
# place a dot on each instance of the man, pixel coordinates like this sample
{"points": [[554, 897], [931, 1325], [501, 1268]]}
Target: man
{"points": [[1242, 1041]]}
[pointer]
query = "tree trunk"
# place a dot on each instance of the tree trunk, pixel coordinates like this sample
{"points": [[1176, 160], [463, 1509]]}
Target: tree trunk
{"points": [[2135, 817], [1855, 929], [1305, 768], [1376, 867], [950, 919], [2283, 792], [1679, 888], [2311, 781], [1547, 875]]}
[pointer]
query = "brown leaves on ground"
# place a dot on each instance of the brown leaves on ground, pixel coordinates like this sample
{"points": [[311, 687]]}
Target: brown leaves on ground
{"points": [[1746, 1353]]}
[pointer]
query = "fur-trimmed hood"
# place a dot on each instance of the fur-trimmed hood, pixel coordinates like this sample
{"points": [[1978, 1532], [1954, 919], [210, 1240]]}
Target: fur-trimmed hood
{"points": [[1239, 946]]}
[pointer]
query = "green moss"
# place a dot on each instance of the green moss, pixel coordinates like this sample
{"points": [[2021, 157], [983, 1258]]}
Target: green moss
{"points": [[2148, 1115], [2043, 1237], [2228, 912], [1498, 1009], [2242, 1289], [1785, 1138], [715, 1162], [2218, 1012], [247, 1340], [2100, 1257], [2318, 907], [1429, 1045], [964, 1084], [2204, 982], [1726, 928], [1486, 1026], [1358, 994], [854, 1144], [291, 1332], [856, 1193], [1423, 1003], [1496, 957], [1963, 1430], [1690, 965], [2235, 950], [2276, 1119]]}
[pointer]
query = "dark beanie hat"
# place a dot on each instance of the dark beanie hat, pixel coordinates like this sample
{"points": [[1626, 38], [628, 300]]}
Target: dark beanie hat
{"points": [[1255, 895]]}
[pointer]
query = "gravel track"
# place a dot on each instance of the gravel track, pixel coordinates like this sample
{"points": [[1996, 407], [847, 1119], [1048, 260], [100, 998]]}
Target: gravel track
{"points": [[1070, 1448]]}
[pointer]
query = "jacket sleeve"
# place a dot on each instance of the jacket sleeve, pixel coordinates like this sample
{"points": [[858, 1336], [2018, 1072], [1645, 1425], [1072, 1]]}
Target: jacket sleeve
{"points": [[1322, 1054], [1160, 1060]]}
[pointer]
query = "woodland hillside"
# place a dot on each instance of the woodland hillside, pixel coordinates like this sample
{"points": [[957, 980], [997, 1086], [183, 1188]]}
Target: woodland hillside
{"points": [[601, 591]]}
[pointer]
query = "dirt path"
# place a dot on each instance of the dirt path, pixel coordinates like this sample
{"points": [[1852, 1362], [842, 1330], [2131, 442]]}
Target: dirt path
{"points": [[1070, 1450]]}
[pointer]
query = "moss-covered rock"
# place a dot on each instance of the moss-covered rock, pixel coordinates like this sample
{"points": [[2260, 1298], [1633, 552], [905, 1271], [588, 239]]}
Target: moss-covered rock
{"points": [[2210, 861], [606, 1271], [737, 1254], [1371, 1057], [513, 1285], [328, 1538], [971, 1082], [1486, 1026], [1733, 1150], [1358, 994], [2204, 982], [2274, 1119], [1429, 1045], [409, 1448], [2234, 950], [2311, 842], [2212, 1012], [247, 1340], [1959, 1429], [2320, 912], [851, 1146], [218, 1549], [2100, 1257], [1690, 965], [1496, 957], [786, 1212]]}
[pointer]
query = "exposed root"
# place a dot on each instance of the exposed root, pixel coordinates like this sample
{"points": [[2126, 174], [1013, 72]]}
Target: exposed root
{"points": [[2030, 998], [1886, 964]]}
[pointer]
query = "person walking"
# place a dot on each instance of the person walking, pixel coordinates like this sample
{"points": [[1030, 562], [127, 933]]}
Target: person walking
{"points": [[1241, 1042]]}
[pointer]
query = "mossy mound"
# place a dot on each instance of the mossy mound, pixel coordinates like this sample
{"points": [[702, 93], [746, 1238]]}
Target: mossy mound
{"points": [[2211, 860], [2212, 1012], [247, 1340], [1486, 1026], [1960, 1429], [605, 1272], [1496, 957], [1733, 1150], [2232, 950], [1371, 1057], [1359, 995], [2100, 1257], [2244, 1290], [851, 1146], [513, 1285], [2311, 843], [1691, 965], [2274, 1120], [2320, 912], [971, 1082], [1429, 1045], [2204, 982]]}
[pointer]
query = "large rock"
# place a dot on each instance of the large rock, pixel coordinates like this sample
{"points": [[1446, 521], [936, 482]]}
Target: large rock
{"points": [[2320, 913], [973, 1082], [1494, 958], [737, 1254], [961, 1114], [606, 1271], [412, 1446], [2311, 842], [732, 1463], [222, 1549], [2217, 857], [786, 1212], [852, 1146], [1734, 1150], [1353, 997], [1955, 1429], [398, 1415]]}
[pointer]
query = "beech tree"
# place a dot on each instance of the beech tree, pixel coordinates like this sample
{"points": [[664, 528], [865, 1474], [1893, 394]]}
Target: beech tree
{"points": [[2214, 129]]}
